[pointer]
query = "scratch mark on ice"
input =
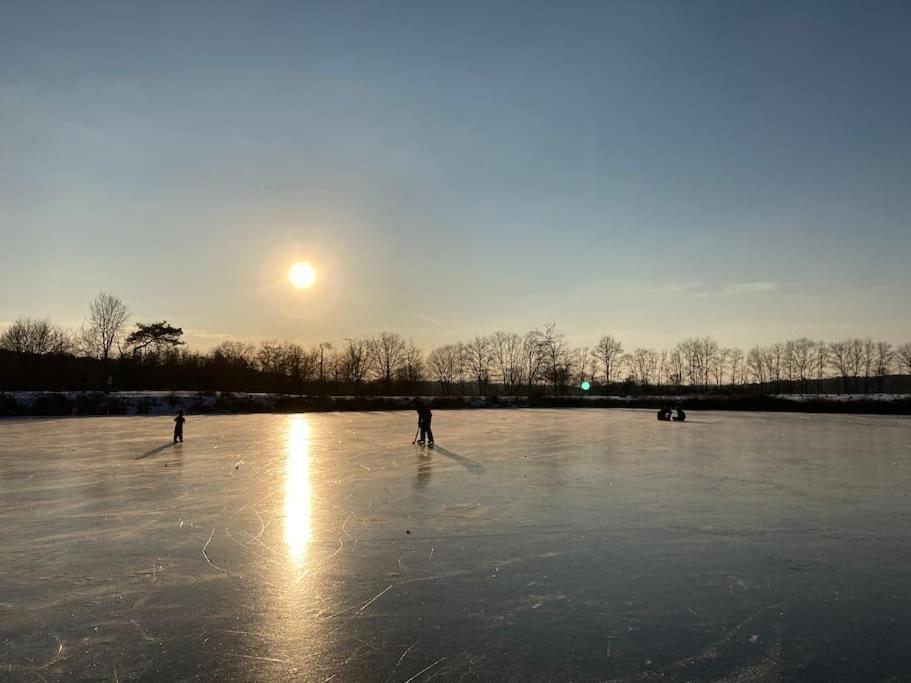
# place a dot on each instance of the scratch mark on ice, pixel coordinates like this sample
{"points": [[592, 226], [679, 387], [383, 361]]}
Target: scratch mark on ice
{"points": [[375, 598], [145, 636], [206, 556], [262, 659], [345, 527], [425, 669], [405, 653], [341, 545]]}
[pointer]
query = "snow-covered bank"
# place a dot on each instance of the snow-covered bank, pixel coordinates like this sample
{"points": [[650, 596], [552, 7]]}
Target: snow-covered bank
{"points": [[842, 398], [42, 403]]}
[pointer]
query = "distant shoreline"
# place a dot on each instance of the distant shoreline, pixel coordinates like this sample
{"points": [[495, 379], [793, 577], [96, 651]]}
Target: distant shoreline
{"points": [[59, 404]]}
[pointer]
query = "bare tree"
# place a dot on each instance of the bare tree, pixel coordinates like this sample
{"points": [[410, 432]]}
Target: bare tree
{"points": [[235, 353], [269, 356], [774, 361], [444, 366], [286, 358], [581, 362], [506, 359], [533, 358], [387, 352], [789, 364], [335, 364], [868, 361], [626, 363], [706, 353], [36, 337], [885, 358], [719, 363], [801, 360], [736, 364], [283, 358], [356, 360], [104, 327], [661, 371], [592, 368], [821, 360], [856, 360], [840, 360], [675, 368], [644, 364], [690, 351], [609, 352], [756, 365], [16, 337], [903, 358], [556, 354], [411, 368], [299, 363], [462, 365], [478, 361], [323, 347]]}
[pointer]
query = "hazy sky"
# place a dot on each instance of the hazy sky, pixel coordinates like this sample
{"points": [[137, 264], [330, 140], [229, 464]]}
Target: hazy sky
{"points": [[648, 169]]}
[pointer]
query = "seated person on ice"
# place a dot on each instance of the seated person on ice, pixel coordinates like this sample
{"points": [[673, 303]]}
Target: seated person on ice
{"points": [[178, 427], [424, 418], [664, 415], [681, 416]]}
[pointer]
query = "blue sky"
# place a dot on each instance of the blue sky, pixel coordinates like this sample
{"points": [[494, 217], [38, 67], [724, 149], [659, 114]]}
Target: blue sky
{"points": [[653, 170]]}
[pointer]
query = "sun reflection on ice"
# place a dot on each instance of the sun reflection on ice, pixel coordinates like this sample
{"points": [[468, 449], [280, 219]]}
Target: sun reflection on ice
{"points": [[298, 491]]}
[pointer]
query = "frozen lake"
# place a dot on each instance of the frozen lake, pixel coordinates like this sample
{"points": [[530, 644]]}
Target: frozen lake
{"points": [[531, 544]]}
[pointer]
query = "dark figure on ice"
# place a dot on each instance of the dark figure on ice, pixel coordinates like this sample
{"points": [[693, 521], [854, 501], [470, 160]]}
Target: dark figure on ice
{"points": [[424, 418], [681, 416], [178, 427], [664, 415]]}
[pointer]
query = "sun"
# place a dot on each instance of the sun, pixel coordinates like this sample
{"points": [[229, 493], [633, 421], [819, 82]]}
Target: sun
{"points": [[302, 275]]}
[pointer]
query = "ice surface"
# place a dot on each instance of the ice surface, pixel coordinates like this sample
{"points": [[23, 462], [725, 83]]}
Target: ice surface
{"points": [[531, 544]]}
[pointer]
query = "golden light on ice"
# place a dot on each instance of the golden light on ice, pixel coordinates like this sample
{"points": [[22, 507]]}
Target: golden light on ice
{"points": [[298, 492], [302, 275]]}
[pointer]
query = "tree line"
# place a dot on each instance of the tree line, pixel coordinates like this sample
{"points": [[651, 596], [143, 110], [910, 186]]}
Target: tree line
{"points": [[36, 354]]}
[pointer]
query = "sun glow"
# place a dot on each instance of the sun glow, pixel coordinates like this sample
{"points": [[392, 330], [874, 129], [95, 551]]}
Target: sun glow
{"points": [[298, 491], [302, 275]]}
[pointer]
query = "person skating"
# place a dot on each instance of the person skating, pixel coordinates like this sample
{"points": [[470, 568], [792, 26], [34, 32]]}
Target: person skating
{"points": [[178, 427], [424, 418], [664, 415], [681, 416]]}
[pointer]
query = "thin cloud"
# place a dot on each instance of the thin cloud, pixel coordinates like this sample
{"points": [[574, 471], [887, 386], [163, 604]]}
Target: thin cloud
{"points": [[429, 321], [205, 334], [673, 288], [736, 289]]}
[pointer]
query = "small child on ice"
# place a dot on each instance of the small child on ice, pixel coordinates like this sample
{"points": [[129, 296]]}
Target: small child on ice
{"points": [[424, 418], [178, 427]]}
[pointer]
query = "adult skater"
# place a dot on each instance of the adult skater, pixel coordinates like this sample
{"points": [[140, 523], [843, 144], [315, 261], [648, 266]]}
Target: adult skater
{"points": [[424, 418], [178, 427], [681, 416]]}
